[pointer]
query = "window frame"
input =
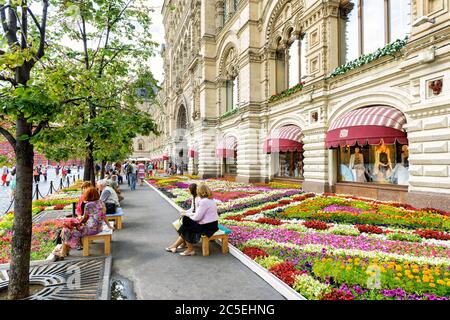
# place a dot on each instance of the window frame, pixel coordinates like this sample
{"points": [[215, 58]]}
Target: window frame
{"points": [[360, 16]]}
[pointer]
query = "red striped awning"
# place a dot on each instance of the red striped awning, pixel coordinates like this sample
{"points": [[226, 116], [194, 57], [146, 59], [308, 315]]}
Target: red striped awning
{"points": [[227, 148], [165, 157], [368, 125], [287, 138]]}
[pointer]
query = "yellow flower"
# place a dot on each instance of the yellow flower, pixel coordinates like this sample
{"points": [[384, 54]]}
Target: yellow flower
{"points": [[399, 274], [348, 268], [416, 270], [440, 281], [398, 267], [418, 281], [397, 278], [432, 285], [446, 273], [350, 260], [448, 283]]}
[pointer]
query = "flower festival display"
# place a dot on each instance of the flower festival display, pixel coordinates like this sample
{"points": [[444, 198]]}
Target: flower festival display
{"points": [[333, 247]]}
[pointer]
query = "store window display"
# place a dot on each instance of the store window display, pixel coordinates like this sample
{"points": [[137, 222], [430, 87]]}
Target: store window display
{"points": [[290, 165], [382, 163]]}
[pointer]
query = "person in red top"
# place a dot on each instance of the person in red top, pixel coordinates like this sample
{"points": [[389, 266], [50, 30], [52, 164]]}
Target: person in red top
{"points": [[80, 206]]}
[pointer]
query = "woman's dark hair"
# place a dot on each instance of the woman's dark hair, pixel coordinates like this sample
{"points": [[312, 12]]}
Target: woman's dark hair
{"points": [[193, 191]]}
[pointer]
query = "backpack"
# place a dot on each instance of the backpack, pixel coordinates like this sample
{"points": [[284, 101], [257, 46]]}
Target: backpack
{"points": [[129, 169]]}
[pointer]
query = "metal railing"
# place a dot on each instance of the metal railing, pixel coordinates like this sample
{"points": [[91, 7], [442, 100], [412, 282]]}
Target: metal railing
{"points": [[63, 183]]}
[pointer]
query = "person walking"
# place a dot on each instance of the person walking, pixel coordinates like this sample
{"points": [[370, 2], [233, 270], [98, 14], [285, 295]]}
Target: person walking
{"points": [[141, 173], [133, 177], [44, 173], [57, 170], [36, 175], [4, 174], [12, 184]]}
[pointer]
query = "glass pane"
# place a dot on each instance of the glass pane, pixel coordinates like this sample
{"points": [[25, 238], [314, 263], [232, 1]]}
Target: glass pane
{"points": [[229, 95], [294, 60], [381, 163], [290, 164], [303, 45], [373, 25], [349, 32], [235, 93], [400, 19]]}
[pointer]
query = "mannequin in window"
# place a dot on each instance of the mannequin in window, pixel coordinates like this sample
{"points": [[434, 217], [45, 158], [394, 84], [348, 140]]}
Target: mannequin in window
{"points": [[405, 155], [356, 164], [400, 174], [383, 162]]}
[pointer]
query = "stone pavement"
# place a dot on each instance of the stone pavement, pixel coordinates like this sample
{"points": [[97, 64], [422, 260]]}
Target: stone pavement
{"points": [[139, 257]]}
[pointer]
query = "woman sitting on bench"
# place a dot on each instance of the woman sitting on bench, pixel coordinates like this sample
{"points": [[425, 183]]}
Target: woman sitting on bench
{"points": [[202, 220], [89, 224]]}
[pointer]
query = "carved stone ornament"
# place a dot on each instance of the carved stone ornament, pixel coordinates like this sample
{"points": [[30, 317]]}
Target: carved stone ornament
{"points": [[436, 86]]}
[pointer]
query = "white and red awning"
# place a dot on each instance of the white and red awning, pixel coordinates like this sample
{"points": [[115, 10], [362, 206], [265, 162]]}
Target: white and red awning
{"points": [[287, 138], [367, 125], [227, 148], [165, 156]]}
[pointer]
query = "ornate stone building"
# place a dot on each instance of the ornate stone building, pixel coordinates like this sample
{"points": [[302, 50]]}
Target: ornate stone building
{"points": [[330, 92]]}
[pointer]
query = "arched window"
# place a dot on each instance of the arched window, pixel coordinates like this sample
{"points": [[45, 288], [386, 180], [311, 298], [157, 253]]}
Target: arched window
{"points": [[141, 145], [231, 81], [296, 60], [366, 25]]}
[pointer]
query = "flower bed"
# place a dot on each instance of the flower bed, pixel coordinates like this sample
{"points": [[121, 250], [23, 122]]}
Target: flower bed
{"points": [[43, 233], [336, 247]]}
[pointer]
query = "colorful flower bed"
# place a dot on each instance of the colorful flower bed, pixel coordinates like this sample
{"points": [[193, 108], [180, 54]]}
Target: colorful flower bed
{"points": [[43, 233], [335, 247]]}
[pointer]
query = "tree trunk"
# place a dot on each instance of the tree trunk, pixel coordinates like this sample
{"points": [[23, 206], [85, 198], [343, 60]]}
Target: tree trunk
{"points": [[22, 226], [102, 174], [89, 169]]}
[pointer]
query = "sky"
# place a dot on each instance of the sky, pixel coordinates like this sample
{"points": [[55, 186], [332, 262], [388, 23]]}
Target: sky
{"points": [[158, 36]]}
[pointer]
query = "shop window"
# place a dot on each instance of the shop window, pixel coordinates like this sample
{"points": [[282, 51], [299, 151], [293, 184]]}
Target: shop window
{"points": [[230, 165], [140, 145], [366, 25], [290, 165], [387, 164]]}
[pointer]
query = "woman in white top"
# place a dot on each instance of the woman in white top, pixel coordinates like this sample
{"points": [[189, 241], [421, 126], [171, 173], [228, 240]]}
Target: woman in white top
{"points": [[180, 243]]}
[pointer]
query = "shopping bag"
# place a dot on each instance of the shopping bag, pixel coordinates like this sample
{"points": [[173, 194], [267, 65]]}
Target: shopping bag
{"points": [[177, 223]]}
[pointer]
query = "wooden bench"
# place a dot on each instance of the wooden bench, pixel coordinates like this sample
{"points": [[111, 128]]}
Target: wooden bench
{"points": [[116, 218], [104, 236], [218, 235]]}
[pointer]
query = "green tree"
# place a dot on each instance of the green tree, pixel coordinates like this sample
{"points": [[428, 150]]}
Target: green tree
{"points": [[27, 109], [100, 75]]}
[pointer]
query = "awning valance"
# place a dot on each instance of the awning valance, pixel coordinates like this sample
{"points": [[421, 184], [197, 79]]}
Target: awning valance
{"points": [[227, 148], [165, 156], [288, 138], [367, 125]]}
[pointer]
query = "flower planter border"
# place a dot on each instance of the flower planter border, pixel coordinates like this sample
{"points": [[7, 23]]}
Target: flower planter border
{"points": [[274, 282]]}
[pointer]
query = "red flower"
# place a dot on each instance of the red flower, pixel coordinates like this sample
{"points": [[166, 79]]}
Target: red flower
{"points": [[272, 221], [432, 234], [234, 218], [336, 294], [369, 229], [254, 252], [285, 271], [316, 224], [283, 202], [251, 212], [269, 207]]}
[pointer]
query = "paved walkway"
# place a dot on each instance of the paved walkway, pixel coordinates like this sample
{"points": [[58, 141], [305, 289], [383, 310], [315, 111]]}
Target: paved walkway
{"points": [[139, 256]]}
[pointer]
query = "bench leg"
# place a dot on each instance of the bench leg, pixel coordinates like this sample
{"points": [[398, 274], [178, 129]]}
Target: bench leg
{"points": [[205, 246], [225, 244], [119, 223], [86, 247], [107, 246]]}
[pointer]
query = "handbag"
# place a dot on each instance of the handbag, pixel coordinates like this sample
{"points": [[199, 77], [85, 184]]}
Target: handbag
{"points": [[110, 208], [177, 223]]}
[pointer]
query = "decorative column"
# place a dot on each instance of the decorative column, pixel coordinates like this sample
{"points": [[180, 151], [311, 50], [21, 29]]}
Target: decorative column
{"points": [[219, 15], [315, 160]]}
